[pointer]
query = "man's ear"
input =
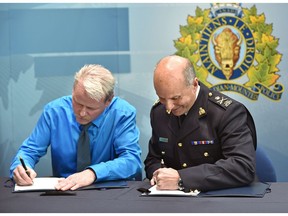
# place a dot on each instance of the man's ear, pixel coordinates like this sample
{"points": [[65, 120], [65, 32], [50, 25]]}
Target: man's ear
{"points": [[108, 101], [195, 83]]}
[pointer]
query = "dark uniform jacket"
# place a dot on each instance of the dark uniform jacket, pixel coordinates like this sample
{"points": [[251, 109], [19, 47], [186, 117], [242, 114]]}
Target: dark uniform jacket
{"points": [[213, 148]]}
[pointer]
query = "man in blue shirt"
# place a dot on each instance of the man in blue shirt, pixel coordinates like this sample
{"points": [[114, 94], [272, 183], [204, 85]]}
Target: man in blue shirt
{"points": [[114, 135]]}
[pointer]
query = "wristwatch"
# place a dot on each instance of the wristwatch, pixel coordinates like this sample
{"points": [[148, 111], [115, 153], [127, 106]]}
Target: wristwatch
{"points": [[180, 185]]}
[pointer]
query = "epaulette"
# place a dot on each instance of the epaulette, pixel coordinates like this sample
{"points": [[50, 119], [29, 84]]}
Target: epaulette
{"points": [[156, 103], [220, 99]]}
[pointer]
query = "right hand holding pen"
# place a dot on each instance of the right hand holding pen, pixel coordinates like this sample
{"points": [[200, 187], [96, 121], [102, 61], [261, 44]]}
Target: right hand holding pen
{"points": [[165, 179], [21, 177]]}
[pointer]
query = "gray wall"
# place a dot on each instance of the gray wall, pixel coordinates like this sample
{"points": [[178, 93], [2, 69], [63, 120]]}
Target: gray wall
{"points": [[43, 45]]}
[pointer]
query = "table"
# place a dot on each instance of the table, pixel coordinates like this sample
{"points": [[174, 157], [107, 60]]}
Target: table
{"points": [[128, 200]]}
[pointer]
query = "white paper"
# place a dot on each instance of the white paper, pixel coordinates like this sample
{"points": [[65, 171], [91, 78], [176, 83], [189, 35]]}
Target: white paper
{"points": [[153, 191], [40, 184]]}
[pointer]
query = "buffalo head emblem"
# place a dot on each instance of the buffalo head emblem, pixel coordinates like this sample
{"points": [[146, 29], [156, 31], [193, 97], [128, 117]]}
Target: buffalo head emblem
{"points": [[227, 50]]}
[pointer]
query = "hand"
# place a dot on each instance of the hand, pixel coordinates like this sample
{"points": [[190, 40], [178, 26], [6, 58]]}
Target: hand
{"points": [[165, 179], [21, 177], [76, 180]]}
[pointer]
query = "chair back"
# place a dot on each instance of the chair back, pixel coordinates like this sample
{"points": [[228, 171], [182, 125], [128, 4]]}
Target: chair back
{"points": [[264, 166]]}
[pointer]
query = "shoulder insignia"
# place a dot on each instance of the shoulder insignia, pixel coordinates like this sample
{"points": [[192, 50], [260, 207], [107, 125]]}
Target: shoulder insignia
{"points": [[156, 102], [220, 99]]}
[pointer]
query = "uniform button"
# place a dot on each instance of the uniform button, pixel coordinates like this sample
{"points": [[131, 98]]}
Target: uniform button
{"points": [[184, 165], [206, 154], [163, 152], [180, 144], [210, 94]]}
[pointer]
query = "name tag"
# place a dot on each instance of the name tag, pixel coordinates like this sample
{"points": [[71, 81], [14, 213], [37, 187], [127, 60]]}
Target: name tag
{"points": [[163, 139]]}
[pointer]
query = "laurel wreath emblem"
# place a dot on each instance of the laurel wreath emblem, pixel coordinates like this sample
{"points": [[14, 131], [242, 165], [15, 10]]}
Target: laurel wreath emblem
{"points": [[263, 71]]}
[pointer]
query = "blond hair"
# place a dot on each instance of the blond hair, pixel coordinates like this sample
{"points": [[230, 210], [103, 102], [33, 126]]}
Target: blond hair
{"points": [[98, 81]]}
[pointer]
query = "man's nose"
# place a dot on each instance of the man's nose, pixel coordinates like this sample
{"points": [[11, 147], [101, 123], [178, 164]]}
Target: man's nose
{"points": [[169, 105], [83, 111]]}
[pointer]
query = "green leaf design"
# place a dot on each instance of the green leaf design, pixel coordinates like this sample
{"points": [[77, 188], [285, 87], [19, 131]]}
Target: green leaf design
{"points": [[266, 56]]}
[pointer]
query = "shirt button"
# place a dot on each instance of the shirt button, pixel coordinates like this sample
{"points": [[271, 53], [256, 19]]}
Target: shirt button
{"points": [[163, 152], [206, 154], [180, 144], [184, 165]]}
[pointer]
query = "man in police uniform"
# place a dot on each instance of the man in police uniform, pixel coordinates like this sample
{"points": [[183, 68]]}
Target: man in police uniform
{"points": [[205, 139]]}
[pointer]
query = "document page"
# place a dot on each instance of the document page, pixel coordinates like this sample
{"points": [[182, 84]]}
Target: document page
{"points": [[154, 192], [40, 184]]}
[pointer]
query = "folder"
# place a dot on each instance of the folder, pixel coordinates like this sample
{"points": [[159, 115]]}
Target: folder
{"points": [[256, 189], [106, 185], [48, 184]]}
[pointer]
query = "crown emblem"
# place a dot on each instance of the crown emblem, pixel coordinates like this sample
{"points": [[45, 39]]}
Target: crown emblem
{"points": [[222, 9]]}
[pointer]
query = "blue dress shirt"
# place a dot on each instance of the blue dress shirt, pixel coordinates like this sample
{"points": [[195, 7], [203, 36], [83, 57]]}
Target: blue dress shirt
{"points": [[114, 137]]}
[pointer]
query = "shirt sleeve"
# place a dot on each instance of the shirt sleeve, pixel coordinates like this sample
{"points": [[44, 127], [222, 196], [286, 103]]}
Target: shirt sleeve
{"points": [[34, 146], [127, 161]]}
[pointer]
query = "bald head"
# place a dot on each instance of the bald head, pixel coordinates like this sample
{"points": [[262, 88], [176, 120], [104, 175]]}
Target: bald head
{"points": [[170, 63], [173, 69], [175, 84]]}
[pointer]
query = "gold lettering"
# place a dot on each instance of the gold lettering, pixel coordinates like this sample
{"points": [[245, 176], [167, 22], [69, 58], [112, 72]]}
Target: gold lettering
{"points": [[207, 31], [205, 39], [242, 69], [216, 23], [243, 27], [206, 59], [203, 48], [212, 68], [244, 64], [223, 20], [248, 59], [250, 42], [250, 50]]}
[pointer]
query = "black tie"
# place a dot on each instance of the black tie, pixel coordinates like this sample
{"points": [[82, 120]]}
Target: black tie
{"points": [[83, 152]]}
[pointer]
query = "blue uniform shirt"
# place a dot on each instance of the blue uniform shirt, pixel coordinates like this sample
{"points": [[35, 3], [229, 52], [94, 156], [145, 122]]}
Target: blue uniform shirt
{"points": [[114, 137]]}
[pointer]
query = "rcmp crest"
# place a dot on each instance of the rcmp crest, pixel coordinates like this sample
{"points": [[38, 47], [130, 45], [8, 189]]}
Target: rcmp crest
{"points": [[235, 45]]}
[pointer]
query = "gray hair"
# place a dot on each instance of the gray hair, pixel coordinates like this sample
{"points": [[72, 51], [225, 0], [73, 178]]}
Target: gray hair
{"points": [[98, 81], [189, 73]]}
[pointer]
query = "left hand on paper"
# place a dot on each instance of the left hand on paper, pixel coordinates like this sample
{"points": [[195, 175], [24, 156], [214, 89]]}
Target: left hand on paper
{"points": [[76, 180]]}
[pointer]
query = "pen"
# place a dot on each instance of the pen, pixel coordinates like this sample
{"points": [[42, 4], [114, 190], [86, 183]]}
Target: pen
{"points": [[24, 166]]}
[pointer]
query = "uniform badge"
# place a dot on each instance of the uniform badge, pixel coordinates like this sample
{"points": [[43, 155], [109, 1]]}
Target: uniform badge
{"points": [[201, 111], [223, 101]]}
